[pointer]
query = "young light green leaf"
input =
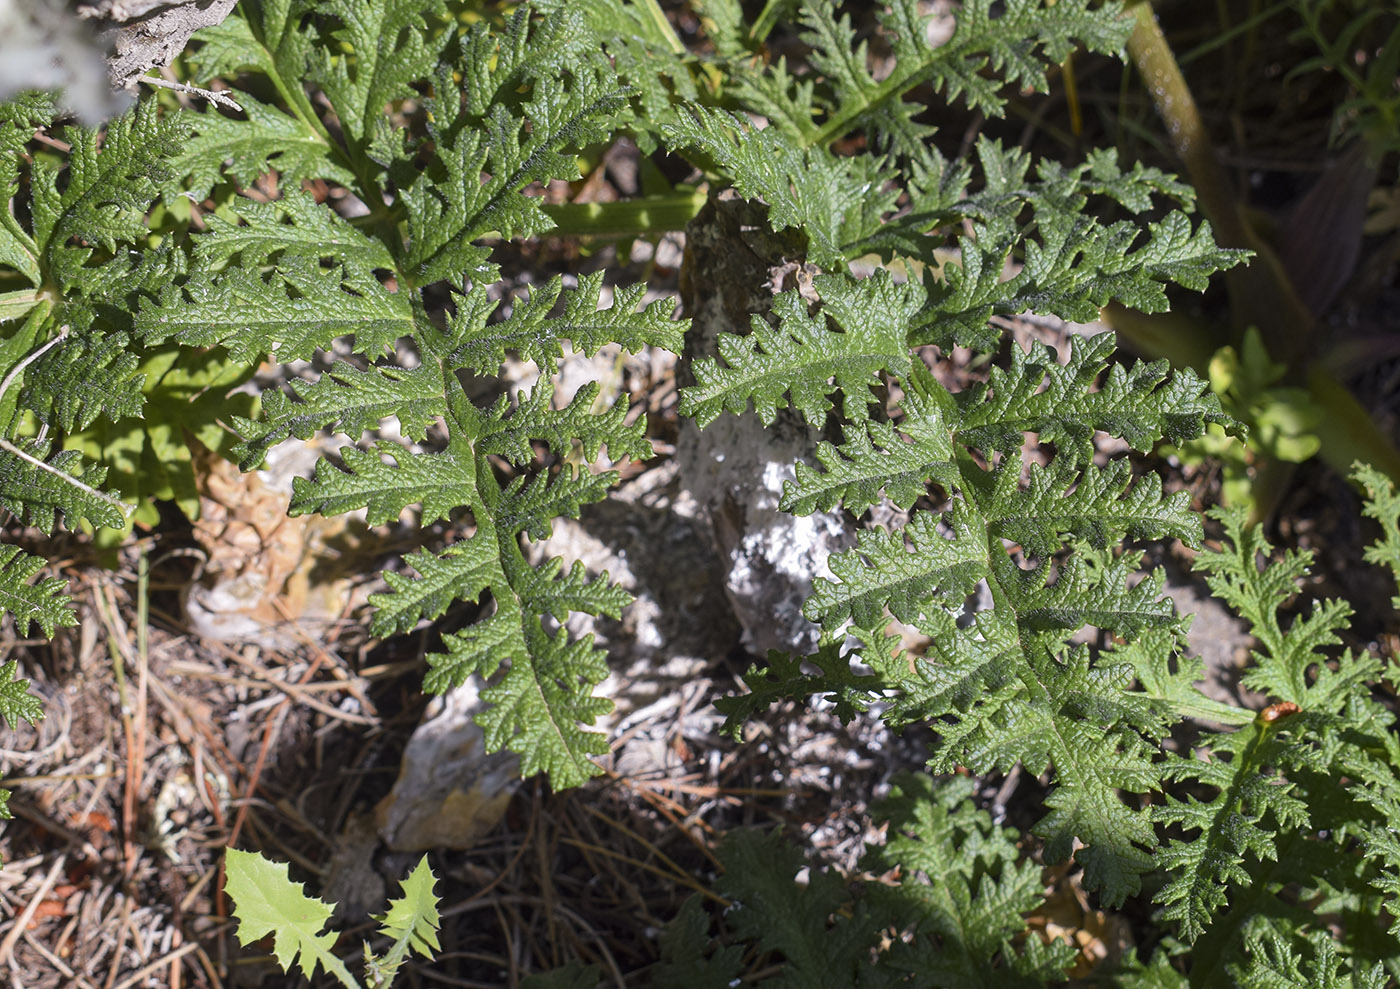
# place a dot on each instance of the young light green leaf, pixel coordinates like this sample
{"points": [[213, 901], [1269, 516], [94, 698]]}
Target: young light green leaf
{"points": [[412, 922], [267, 902]]}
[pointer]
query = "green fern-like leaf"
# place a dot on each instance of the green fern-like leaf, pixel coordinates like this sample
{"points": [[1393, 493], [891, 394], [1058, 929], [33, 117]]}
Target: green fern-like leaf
{"points": [[1286, 652], [73, 386], [779, 916], [73, 228], [534, 334], [1383, 505], [809, 189], [222, 148], [450, 206], [801, 355], [973, 893], [384, 483], [785, 677], [958, 890], [347, 399], [900, 571], [299, 310], [1018, 41], [107, 192], [42, 489], [1275, 962], [384, 46], [879, 460], [645, 53], [291, 277], [261, 36], [1308, 776], [293, 226], [16, 702], [1006, 688], [39, 603], [1003, 686]]}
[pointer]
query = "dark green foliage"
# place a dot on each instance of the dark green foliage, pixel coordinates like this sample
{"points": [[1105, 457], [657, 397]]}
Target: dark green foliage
{"points": [[1022, 683], [1032, 688], [135, 313], [1310, 782], [290, 277], [1272, 832], [954, 894], [38, 603]]}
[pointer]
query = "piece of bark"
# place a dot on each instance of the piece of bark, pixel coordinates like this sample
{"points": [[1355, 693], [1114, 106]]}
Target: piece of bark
{"points": [[50, 44], [44, 45], [148, 34], [736, 467]]}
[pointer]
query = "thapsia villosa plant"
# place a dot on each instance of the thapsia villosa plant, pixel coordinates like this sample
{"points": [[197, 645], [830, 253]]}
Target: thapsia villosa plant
{"points": [[1277, 861], [1297, 842], [477, 119]]}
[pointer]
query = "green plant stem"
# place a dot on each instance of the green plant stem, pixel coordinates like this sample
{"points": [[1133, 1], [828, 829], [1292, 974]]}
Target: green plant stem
{"points": [[661, 27], [1184, 341], [1261, 293], [628, 218], [765, 22], [1202, 708], [13, 305], [1175, 103], [1347, 431]]}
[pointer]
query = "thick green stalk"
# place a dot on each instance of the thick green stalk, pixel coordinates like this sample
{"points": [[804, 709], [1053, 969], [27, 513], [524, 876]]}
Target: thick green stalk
{"points": [[13, 305], [628, 218], [1347, 431], [1260, 293], [1176, 105]]}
